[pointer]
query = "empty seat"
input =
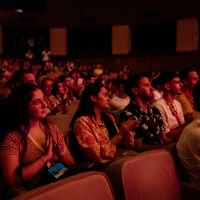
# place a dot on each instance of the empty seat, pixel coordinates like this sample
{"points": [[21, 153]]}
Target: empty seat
{"points": [[84, 186], [151, 176], [61, 121]]}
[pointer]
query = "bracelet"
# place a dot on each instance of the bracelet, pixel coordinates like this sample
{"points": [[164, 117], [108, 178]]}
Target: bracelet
{"points": [[42, 160]]}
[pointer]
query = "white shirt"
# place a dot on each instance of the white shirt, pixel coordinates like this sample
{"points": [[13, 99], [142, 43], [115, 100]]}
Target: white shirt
{"points": [[188, 150], [169, 120], [116, 105], [157, 94]]}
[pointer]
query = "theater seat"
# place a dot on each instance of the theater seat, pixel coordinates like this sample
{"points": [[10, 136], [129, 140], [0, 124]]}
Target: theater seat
{"points": [[84, 186], [76, 102], [190, 191], [61, 121], [72, 110], [151, 175]]}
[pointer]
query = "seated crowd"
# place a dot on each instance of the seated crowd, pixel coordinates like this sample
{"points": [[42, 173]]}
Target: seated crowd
{"points": [[114, 118]]}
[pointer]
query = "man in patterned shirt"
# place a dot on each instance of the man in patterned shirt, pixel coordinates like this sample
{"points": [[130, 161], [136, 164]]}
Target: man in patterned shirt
{"points": [[151, 133]]}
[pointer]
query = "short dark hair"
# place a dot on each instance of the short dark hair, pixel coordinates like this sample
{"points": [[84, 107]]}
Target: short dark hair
{"points": [[18, 76], [119, 81], [183, 74], [63, 77], [155, 82], [133, 81], [165, 77], [196, 95]]}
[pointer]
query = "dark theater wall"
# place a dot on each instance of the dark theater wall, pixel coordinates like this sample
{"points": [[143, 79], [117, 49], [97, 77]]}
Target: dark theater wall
{"points": [[61, 13], [78, 14]]}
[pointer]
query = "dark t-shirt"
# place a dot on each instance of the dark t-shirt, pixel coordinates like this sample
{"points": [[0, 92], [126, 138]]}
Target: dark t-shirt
{"points": [[150, 126]]}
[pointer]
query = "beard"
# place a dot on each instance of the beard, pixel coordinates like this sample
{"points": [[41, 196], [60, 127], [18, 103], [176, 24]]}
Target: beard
{"points": [[146, 97]]}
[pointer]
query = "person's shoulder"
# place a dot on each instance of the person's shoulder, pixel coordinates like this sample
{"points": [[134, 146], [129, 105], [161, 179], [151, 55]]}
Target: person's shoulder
{"points": [[14, 135], [177, 103], [110, 116], [82, 120], [160, 101], [180, 96]]}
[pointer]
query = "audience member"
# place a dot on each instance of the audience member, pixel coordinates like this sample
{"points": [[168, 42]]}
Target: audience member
{"points": [[151, 133], [189, 78], [189, 142], [60, 93], [70, 91], [31, 43], [80, 81], [158, 93], [171, 109], [46, 55], [31, 144], [98, 71], [95, 131], [84, 72], [118, 102], [53, 106]]}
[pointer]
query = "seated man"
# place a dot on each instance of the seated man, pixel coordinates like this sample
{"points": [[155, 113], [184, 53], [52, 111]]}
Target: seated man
{"points": [[189, 78], [151, 132], [188, 145], [118, 102], [71, 92], [170, 109]]}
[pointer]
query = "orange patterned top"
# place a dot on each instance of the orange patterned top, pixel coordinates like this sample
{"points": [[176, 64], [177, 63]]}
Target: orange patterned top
{"points": [[93, 138], [28, 152]]}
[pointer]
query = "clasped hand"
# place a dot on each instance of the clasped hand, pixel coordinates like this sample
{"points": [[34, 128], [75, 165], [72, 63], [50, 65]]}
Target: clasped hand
{"points": [[129, 125]]}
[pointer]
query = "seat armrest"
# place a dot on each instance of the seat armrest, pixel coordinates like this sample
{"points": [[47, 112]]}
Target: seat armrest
{"points": [[190, 191]]}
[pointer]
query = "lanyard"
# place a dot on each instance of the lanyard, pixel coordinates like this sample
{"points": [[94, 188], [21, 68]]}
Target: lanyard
{"points": [[174, 111]]}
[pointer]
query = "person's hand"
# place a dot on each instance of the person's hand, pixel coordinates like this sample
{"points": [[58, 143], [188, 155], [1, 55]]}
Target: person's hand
{"points": [[49, 152], [59, 108], [64, 108], [189, 117], [129, 125]]}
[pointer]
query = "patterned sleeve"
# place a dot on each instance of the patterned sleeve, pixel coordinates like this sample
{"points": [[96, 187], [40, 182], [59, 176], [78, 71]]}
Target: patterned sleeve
{"points": [[101, 151], [11, 145], [58, 139]]}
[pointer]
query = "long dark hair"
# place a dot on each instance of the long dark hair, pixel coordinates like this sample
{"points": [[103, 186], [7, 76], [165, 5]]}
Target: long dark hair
{"points": [[17, 108], [55, 88], [86, 106]]}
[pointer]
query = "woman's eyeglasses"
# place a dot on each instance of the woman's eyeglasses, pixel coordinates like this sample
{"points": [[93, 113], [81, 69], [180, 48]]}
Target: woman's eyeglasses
{"points": [[39, 103]]}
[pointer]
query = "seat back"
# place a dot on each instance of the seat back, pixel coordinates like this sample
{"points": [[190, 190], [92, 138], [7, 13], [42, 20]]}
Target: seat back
{"points": [[72, 110], [61, 121], [172, 148], [151, 175], [76, 102], [84, 186], [73, 147]]}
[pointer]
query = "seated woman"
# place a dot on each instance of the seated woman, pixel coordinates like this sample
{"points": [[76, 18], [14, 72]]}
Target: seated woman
{"points": [[53, 105], [60, 93], [96, 131], [31, 143]]}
